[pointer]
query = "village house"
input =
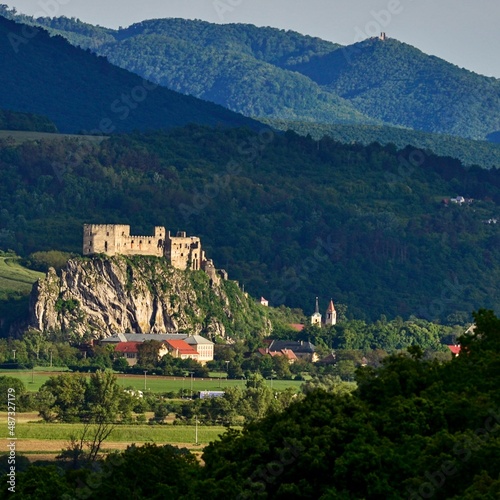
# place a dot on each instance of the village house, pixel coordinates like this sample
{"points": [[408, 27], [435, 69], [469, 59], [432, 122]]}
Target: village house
{"points": [[130, 351], [291, 349], [286, 353], [202, 347], [180, 349]]}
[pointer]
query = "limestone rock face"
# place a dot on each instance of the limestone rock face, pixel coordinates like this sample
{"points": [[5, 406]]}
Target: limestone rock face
{"points": [[102, 296]]}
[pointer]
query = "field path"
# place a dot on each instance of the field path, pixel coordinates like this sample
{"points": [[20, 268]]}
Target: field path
{"points": [[54, 446]]}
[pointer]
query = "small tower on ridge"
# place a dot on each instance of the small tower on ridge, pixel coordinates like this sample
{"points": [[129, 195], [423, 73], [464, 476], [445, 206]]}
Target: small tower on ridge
{"points": [[331, 315], [316, 317]]}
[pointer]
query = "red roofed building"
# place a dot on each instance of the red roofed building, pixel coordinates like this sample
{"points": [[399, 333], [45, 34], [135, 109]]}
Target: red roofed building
{"points": [[287, 353], [181, 349], [129, 351], [297, 327], [455, 349]]}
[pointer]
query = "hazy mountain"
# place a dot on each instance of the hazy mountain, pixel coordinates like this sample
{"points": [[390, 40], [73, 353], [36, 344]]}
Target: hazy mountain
{"points": [[399, 84], [266, 72], [241, 67], [78, 90]]}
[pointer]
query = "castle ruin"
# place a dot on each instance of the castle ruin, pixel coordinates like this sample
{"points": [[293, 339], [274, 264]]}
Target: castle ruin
{"points": [[181, 251]]}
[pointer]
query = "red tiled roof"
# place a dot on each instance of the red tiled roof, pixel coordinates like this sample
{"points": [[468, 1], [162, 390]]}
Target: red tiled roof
{"points": [[455, 349], [288, 354], [331, 307], [127, 347], [297, 327], [181, 346]]}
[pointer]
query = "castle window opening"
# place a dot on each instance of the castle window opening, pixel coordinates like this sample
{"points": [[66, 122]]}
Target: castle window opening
{"points": [[105, 246], [107, 233]]}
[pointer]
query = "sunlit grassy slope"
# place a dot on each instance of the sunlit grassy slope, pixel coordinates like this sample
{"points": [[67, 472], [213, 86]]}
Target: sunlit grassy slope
{"points": [[14, 278]]}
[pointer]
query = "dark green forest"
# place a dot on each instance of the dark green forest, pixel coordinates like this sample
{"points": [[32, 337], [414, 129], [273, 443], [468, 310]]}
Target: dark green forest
{"points": [[80, 91], [414, 428], [470, 152], [271, 73], [289, 217], [10, 120]]}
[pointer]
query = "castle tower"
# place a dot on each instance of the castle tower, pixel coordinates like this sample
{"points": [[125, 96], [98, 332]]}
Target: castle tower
{"points": [[331, 315], [184, 252], [316, 317]]}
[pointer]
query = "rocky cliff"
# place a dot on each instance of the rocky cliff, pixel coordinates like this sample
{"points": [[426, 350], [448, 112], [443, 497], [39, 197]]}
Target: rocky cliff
{"points": [[101, 296]]}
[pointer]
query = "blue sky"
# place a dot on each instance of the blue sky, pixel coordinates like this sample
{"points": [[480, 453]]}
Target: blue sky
{"points": [[464, 32]]}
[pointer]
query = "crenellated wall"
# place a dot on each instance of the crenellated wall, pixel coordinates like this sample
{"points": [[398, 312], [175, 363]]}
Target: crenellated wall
{"points": [[113, 239]]}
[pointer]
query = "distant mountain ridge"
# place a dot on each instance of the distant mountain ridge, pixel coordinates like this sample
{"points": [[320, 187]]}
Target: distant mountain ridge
{"points": [[79, 91], [399, 84], [271, 73]]}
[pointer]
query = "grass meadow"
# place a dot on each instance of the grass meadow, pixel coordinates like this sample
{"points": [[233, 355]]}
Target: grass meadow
{"points": [[140, 433], [34, 379], [14, 277]]}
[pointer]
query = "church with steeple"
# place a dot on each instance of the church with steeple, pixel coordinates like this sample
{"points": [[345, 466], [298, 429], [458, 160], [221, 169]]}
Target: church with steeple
{"points": [[316, 317], [330, 318]]}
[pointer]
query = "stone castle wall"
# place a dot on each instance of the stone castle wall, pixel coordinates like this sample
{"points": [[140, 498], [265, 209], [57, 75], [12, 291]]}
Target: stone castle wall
{"points": [[114, 239], [181, 251]]}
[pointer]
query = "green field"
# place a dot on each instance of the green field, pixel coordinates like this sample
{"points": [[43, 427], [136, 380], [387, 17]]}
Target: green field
{"points": [[166, 433], [33, 380], [15, 278]]}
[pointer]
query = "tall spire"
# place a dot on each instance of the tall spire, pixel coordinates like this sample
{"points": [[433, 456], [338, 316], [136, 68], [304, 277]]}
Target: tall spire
{"points": [[316, 317]]}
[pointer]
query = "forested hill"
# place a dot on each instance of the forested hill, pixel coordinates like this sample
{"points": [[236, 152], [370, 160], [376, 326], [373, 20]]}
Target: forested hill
{"points": [[399, 84], [79, 91], [470, 152], [244, 68], [271, 73], [10, 120], [289, 217]]}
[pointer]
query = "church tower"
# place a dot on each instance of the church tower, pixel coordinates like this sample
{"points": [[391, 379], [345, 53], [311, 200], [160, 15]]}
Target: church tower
{"points": [[316, 317], [331, 315]]}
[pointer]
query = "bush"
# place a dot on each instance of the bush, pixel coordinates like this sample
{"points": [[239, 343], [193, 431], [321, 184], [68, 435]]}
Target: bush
{"points": [[7, 383], [42, 261]]}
